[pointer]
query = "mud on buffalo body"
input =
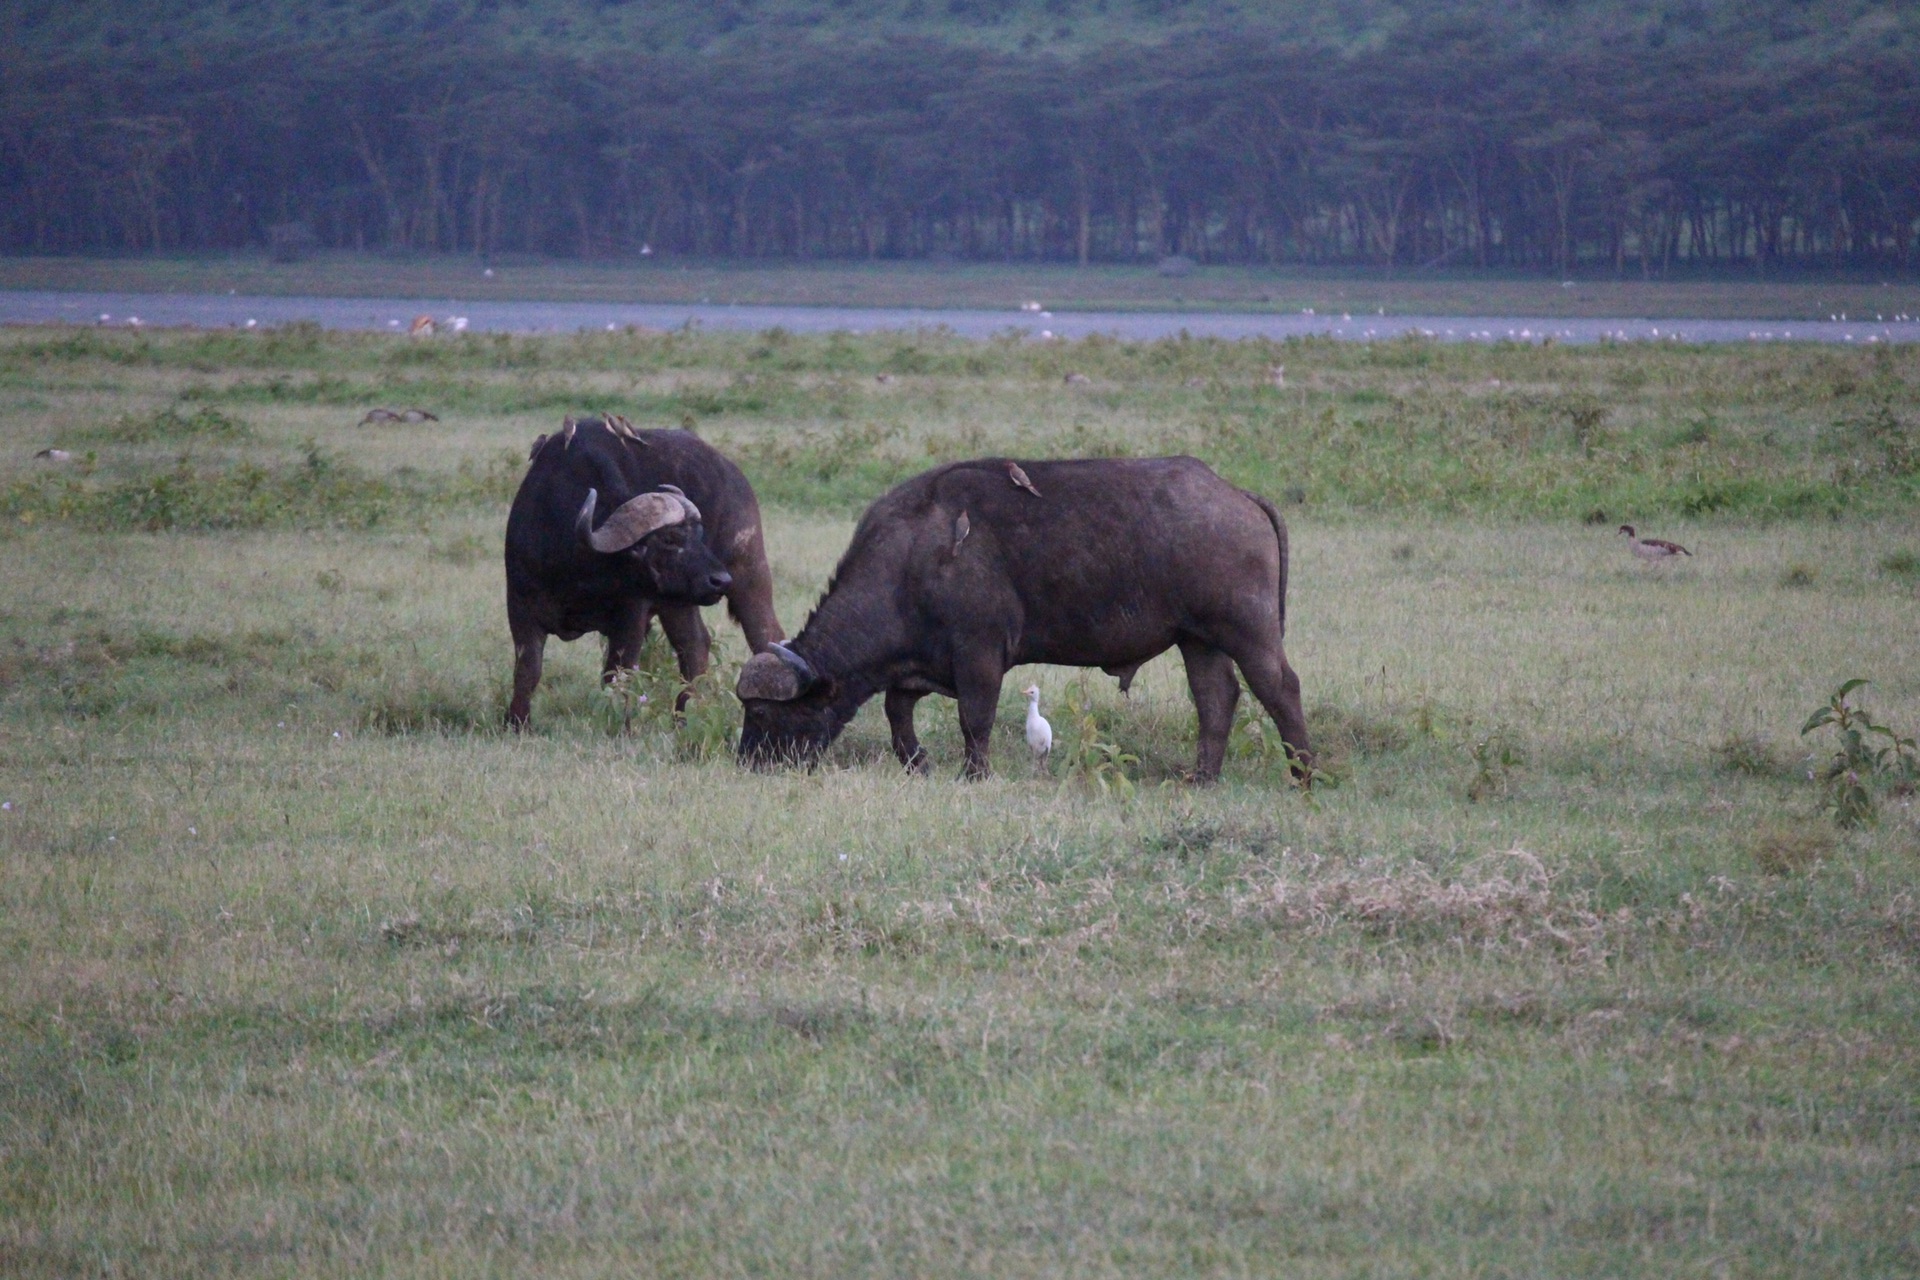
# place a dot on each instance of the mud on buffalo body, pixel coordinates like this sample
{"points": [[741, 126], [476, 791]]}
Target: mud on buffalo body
{"points": [[613, 525], [963, 572]]}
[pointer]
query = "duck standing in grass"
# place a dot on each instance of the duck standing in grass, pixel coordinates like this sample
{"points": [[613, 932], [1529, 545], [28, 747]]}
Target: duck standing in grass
{"points": [[1652, 549], [1039, 732]]}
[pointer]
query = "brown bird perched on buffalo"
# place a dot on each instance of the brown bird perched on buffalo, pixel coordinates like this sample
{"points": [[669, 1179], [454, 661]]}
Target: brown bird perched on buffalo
{"points": [[1019, 478]]}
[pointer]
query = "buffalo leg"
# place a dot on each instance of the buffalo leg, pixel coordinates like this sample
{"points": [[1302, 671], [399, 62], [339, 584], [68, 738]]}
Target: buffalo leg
{"points": [[692, 645], [1216, 691], [626, 632], [979, 693], [750, 601], [529, 648], [906, 743], [1275, 683]]}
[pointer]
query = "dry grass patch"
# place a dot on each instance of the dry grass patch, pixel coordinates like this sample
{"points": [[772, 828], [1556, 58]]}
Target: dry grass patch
{"points": [[1786, 849], [1503, 901]]}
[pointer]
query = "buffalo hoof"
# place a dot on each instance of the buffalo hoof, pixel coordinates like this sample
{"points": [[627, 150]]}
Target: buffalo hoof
{"points": [[918, 763]]}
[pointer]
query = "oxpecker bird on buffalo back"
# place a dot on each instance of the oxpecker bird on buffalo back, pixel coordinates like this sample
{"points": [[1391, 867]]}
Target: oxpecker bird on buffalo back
{"points": [[1122, 560]]}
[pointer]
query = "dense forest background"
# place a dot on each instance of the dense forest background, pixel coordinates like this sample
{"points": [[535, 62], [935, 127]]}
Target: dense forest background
{"points": [[1542, 135]]}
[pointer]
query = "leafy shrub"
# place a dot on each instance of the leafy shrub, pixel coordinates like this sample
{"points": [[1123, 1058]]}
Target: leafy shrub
{"points": [[1092, 759], [700, 717], [1867, 754]]}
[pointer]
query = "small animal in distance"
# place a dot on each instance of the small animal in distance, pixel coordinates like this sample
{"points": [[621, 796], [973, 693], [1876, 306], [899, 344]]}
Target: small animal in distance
{"points": [[1652, 548], [398, 415]]}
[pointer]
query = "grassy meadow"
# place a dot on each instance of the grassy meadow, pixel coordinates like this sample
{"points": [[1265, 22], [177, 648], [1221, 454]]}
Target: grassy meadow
{"points": [[306, 968]]}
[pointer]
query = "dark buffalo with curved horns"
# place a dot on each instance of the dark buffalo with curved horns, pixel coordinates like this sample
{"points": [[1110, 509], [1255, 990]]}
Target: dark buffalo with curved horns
{"points": [[961, 573], [612, 525]]}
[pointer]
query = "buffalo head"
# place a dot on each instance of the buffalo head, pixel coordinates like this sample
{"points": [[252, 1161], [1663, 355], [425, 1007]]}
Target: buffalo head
{"points": [[791, 715], [659, 535]]}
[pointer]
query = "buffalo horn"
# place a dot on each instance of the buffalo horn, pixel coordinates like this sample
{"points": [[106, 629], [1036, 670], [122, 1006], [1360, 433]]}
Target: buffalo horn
{"points": [[631, 521], [693, 512], [779, 675]]}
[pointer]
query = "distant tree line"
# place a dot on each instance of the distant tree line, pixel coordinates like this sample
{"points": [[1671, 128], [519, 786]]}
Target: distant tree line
{"points": [[1441, 145]]}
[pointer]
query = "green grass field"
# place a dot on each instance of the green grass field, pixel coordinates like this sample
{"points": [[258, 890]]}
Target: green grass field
{"points": [[983, 285], [306, 968]]}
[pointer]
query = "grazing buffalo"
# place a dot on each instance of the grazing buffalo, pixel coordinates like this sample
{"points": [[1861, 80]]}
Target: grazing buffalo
{"points": [[970, 569], [613, 525]]}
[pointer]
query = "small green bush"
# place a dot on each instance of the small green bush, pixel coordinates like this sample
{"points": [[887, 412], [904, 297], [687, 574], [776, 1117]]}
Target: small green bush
{"points": [[701, 717], [1867, 755]]}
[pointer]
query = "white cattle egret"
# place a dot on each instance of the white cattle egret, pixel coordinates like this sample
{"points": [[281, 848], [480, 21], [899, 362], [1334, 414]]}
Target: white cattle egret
{"points": [[1039, 732]]}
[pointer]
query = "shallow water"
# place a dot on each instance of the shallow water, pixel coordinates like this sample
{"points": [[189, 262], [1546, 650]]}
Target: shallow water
{"points": [[234, 311]]}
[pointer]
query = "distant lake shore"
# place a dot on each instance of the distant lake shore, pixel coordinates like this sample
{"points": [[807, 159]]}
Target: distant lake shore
{"points": [[1035, 322], [445, 284]]}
